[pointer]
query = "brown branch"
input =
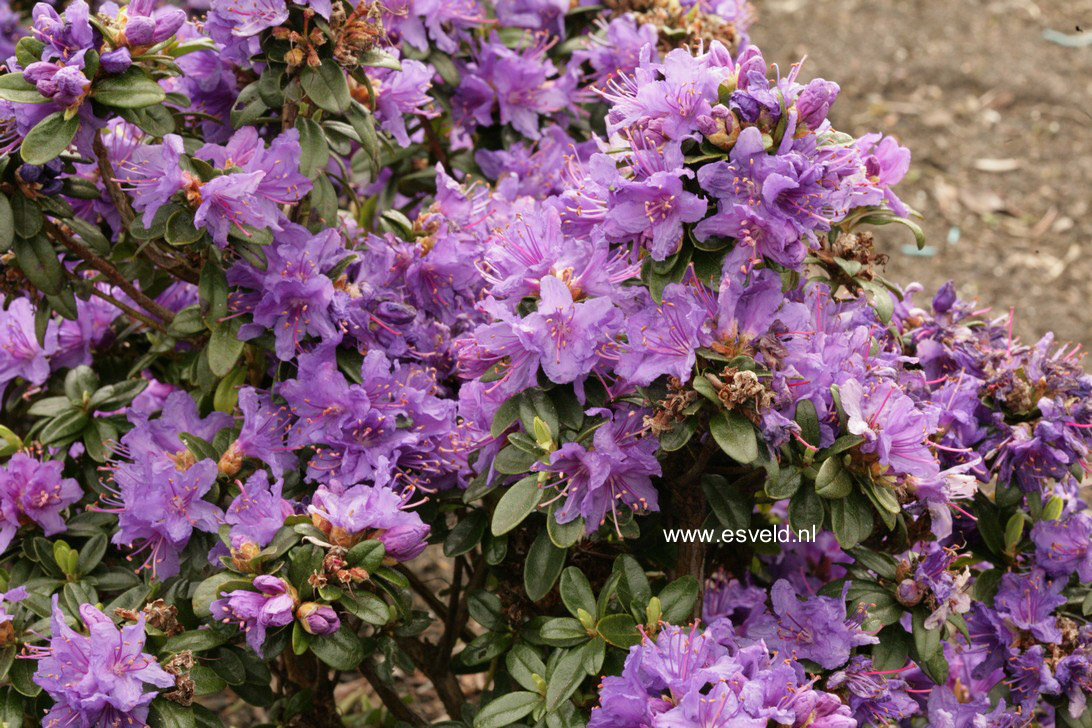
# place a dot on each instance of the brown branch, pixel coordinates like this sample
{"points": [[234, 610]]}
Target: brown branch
{"points": [[389, 696], [690, 508], [107, 269], [434, 144], [152, 251], [124, 307], [430, 597], [447, 685]]}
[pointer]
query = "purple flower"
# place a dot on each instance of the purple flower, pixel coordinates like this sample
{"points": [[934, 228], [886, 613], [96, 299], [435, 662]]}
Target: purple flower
{"points": [[153, 174], [265, 426], [11, 596], [772, 203], [98, 678], [257, 513], [1029, 600], [66, 37], [272, 605], [349, 515], [814, 629], [617, 470], [567, 336], [886, 163], [20, 353], [144, 25], [65, 85], [814, 102], [318, 619], [1064, 546], [876, 697], [34, 491], [294, 295], [403, 92], [654, 208], [894, 427], [664, 338]]}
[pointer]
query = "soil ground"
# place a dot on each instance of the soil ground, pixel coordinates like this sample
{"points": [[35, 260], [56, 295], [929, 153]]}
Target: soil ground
{"points": [[999, 120]]}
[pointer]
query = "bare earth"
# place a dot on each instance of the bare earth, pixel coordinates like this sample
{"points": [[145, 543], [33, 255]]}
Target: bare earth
{"points": [[999, 120]]}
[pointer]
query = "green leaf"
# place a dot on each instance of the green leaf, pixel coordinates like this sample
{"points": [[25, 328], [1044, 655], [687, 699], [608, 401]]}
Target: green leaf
{"points": [[893, 649], [91, 553], [180, 229], [224, 347], [563, 632], [466, 535], [15, 88], [542, 567], [7, 224], [619, 630], [368, 555], [196, 640], [315, 153], [833, 481], [21, 677], [367, 606], [205, 681], [506, 416], [326, 86], [633, 589], [63, 427], [115, 396], [513, 461], [507, 709], [678, 598], [576, 592], [27, 215], [341, 650], [11, 707], [731, 505], [736, 436], [169, 714], [564, 535], [524, 664], [133, 89], [806, 509], [49, 138], [39, 263], [926, 641], [1014, 531], [565, 679], [516, 504], [785, 484], [851, 520], [376, 58], [808, 420], [883, 564]]}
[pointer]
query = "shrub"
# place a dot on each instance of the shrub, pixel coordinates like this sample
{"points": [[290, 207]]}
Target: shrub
{"points": [[587, 299]]}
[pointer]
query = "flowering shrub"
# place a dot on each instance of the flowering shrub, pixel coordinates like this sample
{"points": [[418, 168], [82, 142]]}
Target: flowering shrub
{"points": [[583, 296]]}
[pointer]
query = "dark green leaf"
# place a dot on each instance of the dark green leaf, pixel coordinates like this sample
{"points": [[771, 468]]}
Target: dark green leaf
{"points": [[677, 600], [15, 88], [806, 509], [851, 520], [49, 138], [736, 436], [39, 263], [342, 650], [542, 567], [576, 592], [326, 86], [833, 481], [565, 679], [619, 630], [133, 89], [168, 714], [516, 504], [506, 710], [466, 535]]}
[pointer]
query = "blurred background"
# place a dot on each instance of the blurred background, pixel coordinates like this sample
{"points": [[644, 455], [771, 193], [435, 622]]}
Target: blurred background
{"points": [[994, 99]]}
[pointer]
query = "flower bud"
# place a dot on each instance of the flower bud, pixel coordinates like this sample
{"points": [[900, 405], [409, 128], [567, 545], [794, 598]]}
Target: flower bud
{"points": [[908, 593], [815, 101], [318, 618]]}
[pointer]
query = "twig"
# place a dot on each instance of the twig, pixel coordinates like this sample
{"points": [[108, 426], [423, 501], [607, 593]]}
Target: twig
{"points": [[107, 269], [434, 145], [117, 195], [390, 697], [125, 308], [430, 597], [444, 680]]}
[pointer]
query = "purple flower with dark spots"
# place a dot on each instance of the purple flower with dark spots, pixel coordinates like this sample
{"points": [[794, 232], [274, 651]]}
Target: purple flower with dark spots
{"points": [[618, 469], [257, 513], [272, 605], [20, 353]]}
